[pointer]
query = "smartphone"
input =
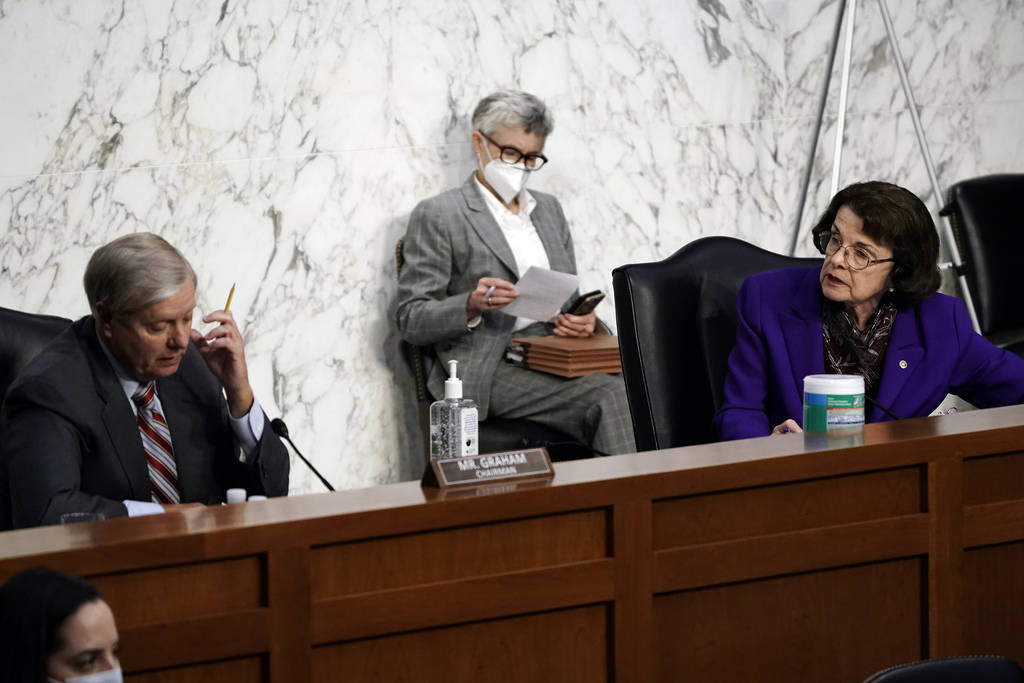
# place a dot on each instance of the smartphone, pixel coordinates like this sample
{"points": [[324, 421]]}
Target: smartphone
{"points": [[585, 303]]}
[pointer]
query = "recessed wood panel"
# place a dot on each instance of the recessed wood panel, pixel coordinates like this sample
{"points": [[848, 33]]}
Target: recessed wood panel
{"points": [[787, 507], [180, 592], [190, 641], [993, 523], [993, 478], [249, 670], [462, 552], [440, 604], [564, 646], [837, 625], [789, 553], [994, 600]]}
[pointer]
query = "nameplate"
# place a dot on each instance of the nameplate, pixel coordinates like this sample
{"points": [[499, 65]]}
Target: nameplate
{"points": [[475, 470]]}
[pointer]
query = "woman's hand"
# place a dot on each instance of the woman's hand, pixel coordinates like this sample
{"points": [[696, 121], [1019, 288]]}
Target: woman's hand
{"points": [[491, 294], [789, 426], [569, 325]]}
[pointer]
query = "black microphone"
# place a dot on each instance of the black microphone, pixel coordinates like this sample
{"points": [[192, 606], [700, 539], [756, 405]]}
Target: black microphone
{"points": [[882, 408], [281, 429]]}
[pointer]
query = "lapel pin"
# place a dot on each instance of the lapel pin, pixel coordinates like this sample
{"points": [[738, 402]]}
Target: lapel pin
{"points": [[903, 364]]}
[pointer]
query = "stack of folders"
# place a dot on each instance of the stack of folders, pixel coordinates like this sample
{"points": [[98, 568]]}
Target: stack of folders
{"points": [[567, 356]]}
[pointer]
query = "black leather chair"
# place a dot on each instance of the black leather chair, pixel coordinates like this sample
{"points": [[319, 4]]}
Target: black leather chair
{"points": [[677, 324], [22, 336], [986, 217], [495, 434], [977, 669]]}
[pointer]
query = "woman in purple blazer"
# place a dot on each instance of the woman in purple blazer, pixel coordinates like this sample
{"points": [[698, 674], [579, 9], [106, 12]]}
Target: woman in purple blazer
{"points": [[871, 310]]}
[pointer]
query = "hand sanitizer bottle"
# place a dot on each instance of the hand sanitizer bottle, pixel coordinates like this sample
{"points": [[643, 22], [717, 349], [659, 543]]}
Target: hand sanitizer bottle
{"points": [[453, 421]]}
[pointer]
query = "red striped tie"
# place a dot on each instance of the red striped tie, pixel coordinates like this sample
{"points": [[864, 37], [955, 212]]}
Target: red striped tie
{"points": [[156, 441]]}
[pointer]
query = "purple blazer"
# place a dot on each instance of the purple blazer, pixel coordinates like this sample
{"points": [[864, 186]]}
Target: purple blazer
{"points": [[933, 351]]}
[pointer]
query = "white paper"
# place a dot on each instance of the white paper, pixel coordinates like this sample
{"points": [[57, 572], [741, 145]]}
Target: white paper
{"points": [[542, 293]]}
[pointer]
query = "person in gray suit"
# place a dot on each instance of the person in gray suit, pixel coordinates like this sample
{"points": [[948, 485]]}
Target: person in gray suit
{"points": [[465, 249], [130, 411]]}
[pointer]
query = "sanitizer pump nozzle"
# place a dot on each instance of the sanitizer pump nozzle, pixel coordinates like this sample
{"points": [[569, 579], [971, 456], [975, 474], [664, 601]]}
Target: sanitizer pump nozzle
{"points": [[453, 385]]}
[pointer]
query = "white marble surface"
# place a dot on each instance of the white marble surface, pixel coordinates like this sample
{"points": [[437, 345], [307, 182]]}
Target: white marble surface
{"points": [[282, 145]]}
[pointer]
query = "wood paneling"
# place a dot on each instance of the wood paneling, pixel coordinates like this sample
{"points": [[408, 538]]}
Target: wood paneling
{"points": [[945, 552], [291, 608], [462, 552], [186, 591], [634, 627], [195, 640], [774, 554], [456, 601], [994, 478], [565, 646], [787, 507], [757, 560], [249, 670], [993, 523], [837, 625], [994, 600]]}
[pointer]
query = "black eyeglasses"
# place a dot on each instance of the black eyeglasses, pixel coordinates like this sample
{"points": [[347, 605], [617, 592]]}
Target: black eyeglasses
{"points": [[511, 155], [857, 258]]}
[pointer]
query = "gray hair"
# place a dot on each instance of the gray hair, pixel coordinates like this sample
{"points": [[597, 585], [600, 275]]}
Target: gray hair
{"points": [[135, 271], [512, 109]]}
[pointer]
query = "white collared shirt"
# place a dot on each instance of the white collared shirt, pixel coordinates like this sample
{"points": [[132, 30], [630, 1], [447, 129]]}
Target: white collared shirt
{"points": [[519, 232]]}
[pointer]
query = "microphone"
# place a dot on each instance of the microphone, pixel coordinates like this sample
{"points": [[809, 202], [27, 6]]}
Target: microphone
{"points": [[885, 410], [281, 429]]}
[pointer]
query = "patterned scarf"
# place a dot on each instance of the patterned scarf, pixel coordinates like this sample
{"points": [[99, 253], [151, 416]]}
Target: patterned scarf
{"points": [[852, 351]]}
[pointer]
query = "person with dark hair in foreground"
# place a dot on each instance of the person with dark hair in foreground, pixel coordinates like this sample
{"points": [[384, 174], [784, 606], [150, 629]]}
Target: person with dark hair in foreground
{"points": [[131, 411], [871, 310], [56, 627]]}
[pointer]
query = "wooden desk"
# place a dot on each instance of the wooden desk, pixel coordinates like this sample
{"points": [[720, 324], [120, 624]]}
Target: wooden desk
{"points": [[761, 560]]}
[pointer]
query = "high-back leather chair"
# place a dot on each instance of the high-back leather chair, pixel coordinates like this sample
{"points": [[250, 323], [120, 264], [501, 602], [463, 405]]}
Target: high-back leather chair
{"points": [[676, 321], [976, 669], [986, 217], [22, 336], [495, 434]]}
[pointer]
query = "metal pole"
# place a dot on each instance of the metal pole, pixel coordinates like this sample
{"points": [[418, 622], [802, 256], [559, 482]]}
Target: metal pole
{"points": [[806, 182], [954, 253], [844, 86]]}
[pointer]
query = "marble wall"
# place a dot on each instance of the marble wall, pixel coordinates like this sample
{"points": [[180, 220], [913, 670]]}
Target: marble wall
{"points": [[282, 144]]}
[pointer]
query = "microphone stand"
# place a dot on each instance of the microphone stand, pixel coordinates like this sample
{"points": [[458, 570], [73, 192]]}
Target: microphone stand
{"points": [[281, 429]]}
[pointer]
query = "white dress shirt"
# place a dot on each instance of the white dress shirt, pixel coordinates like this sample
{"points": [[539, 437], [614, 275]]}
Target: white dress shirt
{"points": [[521, 235]]}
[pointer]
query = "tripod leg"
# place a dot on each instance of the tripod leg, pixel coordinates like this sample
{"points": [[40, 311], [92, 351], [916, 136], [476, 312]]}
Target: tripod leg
{"points": [[948, 236], [805, 183]]}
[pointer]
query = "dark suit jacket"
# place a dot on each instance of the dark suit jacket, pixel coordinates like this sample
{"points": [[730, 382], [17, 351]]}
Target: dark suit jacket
{"points": [[933, 351], [71, 443], [452, 241]]}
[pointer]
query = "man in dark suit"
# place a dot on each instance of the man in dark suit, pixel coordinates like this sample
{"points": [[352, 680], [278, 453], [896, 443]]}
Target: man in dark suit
{"points": [[131, 411]]}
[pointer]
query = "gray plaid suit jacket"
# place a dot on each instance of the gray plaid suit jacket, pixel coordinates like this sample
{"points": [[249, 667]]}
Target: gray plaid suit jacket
{"points": [[452, 241]]}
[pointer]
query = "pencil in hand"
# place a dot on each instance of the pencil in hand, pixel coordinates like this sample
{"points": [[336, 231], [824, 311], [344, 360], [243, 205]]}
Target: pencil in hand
{"points": [[230, 294]]}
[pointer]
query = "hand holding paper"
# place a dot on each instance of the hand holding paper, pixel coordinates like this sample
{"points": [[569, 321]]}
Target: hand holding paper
{"points": [[490, 294], [542, 293]]}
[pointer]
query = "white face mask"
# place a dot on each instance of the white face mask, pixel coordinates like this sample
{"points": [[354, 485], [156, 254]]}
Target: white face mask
{"points": [[506, 179], [112, 676]]}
